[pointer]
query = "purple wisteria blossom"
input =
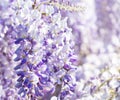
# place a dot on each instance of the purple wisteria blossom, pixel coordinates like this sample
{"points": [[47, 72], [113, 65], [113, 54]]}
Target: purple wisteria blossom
{"points": [[44, 51], [59, 50]]}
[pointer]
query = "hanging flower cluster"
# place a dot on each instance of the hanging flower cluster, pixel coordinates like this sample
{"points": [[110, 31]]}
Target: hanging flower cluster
{"points": [[44, 49], [49, 51]]}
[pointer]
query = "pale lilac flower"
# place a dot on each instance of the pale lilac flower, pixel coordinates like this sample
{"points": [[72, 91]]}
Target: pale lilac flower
{"points": [[42, 41], [45, 52]]}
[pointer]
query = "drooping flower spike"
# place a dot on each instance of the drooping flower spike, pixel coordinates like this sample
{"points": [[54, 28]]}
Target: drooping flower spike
{"points": [[44, 53], [39, 40]]}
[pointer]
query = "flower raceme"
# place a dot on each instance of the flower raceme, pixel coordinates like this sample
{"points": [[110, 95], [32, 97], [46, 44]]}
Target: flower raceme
{"points": [[38, 47], [45, 51]]}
